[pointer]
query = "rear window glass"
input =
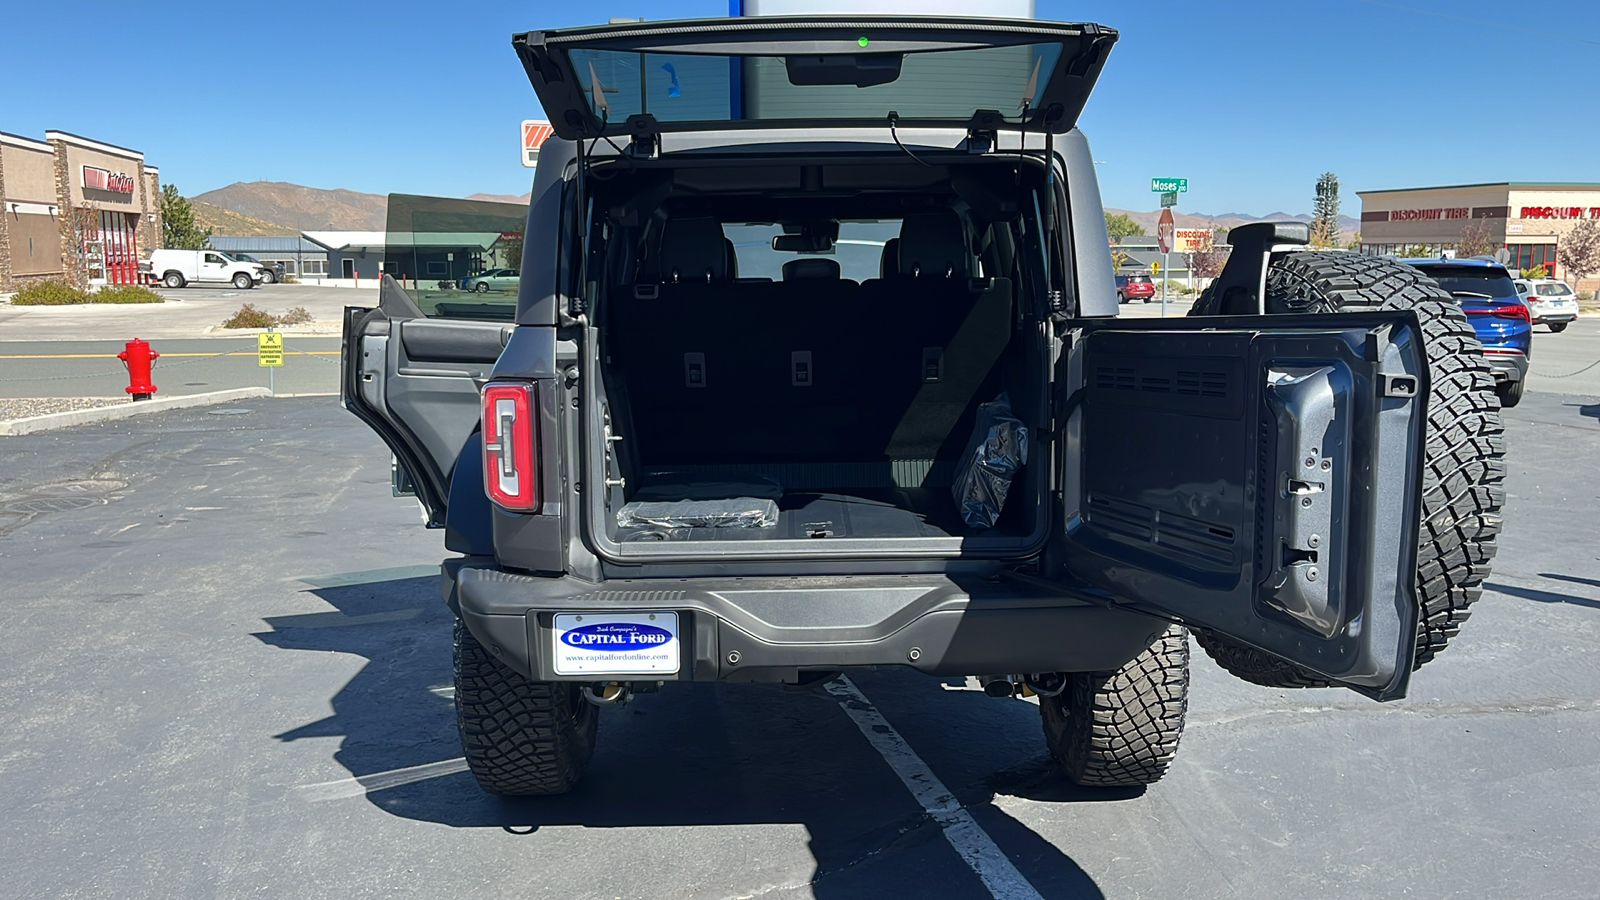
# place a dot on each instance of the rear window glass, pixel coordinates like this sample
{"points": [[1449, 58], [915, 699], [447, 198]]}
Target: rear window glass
{"points": [[1138, 279], [940, 84], [1473, 281], [858, 251], [1552, 290]]}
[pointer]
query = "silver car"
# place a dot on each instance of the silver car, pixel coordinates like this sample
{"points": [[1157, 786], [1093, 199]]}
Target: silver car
{"points": [[492, 280]]}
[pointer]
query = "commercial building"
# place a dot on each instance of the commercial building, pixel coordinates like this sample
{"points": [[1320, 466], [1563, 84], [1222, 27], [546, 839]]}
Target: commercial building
{"points": [[74, 210], [1528, 219], [298, 256]]}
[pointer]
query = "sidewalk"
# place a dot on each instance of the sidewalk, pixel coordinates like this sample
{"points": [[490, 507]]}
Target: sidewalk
{"points": [[190, 312]]}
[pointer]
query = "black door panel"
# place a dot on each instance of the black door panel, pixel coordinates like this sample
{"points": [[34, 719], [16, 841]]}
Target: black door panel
{"points": [[415, 382], [1260, 478]]}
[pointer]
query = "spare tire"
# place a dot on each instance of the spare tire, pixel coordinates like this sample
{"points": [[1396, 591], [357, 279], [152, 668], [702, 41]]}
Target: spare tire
{"points": [[1464, 455]]}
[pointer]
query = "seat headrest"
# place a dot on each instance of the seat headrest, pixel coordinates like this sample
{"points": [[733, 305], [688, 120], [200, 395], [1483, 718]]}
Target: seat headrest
{"points": [[693, 251], [933, 245], [811, 268], [889, 263]]}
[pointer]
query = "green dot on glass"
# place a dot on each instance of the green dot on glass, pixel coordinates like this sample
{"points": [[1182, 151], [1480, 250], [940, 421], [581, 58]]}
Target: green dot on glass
{"points": [[862, 41]]}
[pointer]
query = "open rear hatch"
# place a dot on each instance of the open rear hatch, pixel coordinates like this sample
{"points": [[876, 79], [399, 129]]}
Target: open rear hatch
{"points": [[644, 79]]}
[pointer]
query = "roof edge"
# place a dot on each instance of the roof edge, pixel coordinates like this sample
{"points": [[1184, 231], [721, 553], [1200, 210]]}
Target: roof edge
{"points": [[68, 137]]}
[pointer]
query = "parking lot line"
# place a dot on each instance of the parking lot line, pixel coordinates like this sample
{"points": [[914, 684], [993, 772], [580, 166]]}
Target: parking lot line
{"points": [[970, 841], [378, 781]]}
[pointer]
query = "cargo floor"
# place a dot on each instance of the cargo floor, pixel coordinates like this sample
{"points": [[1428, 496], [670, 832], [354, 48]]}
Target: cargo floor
{"points": [[858, 513]]}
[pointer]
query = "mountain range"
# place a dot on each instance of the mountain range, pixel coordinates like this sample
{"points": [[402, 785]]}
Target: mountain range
{"points": [[256, 207], [1348, 226]]}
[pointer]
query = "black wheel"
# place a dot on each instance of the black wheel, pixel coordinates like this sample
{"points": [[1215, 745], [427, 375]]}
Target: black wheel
{"points": [[1121, 729], [173, 280], [481, 287], [1464, 457], [1558, 327], [1120, 298], [243, 281], [269, 277], [1510, 393], [520, 737]]}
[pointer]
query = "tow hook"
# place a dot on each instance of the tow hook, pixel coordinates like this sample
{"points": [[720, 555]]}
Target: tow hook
{"points": [[611, 693]]}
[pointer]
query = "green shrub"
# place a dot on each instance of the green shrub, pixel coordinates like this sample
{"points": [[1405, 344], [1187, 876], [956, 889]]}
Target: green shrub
{"points": [[250, 316], [49, 293], [296, 316], [125, 293]]}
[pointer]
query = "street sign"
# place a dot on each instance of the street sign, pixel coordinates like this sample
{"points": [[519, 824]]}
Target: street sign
{"points": [[1155, 266], [534, 134], [1164, 231], [269, 348], [1170, 198], [1169, 185]]}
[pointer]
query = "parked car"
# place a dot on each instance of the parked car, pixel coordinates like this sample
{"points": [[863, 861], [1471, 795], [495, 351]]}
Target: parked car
{"points": [[1131, 287], [492, 280], [272, 271], [1550, 302], [1495, 308], [661, 472], [176, 268]]}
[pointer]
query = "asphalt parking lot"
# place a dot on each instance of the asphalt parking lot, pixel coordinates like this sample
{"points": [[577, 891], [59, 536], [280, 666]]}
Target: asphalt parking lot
{"points": [[225, 670]]}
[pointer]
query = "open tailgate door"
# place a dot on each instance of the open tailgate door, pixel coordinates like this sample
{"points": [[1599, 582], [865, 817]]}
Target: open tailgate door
{"points": [[1257, 476]]}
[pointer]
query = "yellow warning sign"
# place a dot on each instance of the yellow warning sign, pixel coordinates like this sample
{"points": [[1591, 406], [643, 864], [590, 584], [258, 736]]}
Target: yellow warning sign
{"points": [[269, 348]]}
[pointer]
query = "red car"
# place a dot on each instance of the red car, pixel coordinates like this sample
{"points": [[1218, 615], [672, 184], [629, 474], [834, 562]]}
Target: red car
{"points": [[1131, 286]]}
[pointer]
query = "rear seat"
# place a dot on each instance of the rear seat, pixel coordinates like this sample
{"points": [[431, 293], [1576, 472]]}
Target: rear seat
{"points": [[945, 331], [813, 367]]}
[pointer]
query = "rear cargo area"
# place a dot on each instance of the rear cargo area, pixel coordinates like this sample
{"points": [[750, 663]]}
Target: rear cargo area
{"points": [[813, 406]]}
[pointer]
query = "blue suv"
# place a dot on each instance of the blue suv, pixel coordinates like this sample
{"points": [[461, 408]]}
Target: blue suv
{"points": [[1484, 289]]}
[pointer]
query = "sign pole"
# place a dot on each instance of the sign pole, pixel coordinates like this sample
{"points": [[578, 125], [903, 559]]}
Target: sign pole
{"points": [[1165, 268], [272, 371]]}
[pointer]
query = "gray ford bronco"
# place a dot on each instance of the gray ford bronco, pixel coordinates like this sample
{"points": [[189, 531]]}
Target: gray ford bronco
{"points": [[815, 365]]}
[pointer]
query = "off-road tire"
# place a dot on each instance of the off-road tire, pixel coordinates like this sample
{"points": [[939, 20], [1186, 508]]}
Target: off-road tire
{"points": [[173, 280], [1121, 728], [520, 737], [243, 282], [1557, 327], [1464, 455], [1510, 393]]}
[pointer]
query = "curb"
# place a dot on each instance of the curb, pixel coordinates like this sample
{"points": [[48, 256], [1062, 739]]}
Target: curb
{"points": [[110, 413]]}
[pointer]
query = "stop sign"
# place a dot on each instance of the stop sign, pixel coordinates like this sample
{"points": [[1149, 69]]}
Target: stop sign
{"points": [[1164, 231]]}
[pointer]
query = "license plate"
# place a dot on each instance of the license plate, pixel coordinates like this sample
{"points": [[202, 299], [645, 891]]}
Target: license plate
{"points": [[616, 643]]}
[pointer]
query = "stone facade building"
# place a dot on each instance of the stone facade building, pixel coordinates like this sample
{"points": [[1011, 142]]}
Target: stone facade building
{"points": [[75, 210]]}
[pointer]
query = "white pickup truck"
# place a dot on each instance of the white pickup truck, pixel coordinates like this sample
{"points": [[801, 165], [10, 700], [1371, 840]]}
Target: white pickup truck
{"points": [[176, 268]]}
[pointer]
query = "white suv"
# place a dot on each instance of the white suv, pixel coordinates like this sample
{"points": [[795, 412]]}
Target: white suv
{"points": [[1549, 301]]}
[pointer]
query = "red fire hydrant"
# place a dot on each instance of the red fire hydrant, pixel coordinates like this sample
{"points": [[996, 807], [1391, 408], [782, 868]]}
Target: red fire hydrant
{"points": [[138, 356]]}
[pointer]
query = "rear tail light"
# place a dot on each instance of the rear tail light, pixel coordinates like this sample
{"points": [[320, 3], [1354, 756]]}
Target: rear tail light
{"points": [[510, 439], [1517, 310]]}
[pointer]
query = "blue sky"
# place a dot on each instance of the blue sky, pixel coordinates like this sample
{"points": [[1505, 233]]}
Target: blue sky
{"points": [[1250, 101]]}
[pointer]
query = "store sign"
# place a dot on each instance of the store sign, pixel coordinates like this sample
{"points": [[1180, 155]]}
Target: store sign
{"points": [[1421, 215], [96, 179], [1560, 212], [1192, 240]]}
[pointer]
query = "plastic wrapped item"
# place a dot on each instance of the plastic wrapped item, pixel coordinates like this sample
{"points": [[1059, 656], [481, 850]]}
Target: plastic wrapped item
{"points": [[998, 448], [738, 512]]}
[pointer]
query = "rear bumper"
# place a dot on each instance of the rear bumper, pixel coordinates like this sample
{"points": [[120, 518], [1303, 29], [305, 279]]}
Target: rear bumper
{"points": [[1547, 318], [1507, 366], [772, 629]]}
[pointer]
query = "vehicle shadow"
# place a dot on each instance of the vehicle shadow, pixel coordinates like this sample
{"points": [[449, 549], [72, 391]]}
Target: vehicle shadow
{"points": [[1572, 578], [695, 755], [1539, 596]]}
